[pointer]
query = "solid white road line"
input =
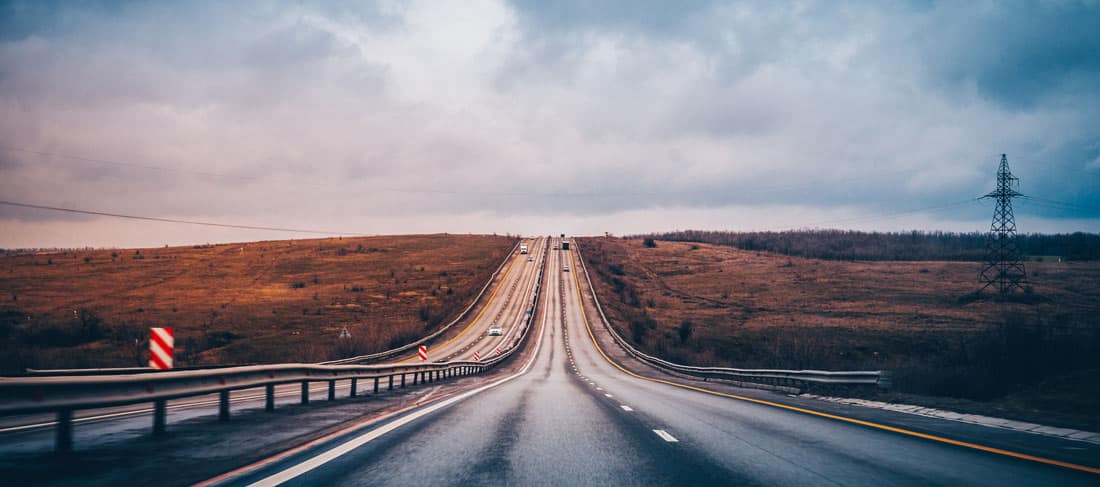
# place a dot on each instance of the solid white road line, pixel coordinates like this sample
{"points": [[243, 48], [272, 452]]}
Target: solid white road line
{"points": [[317, 461], [665, 436]]}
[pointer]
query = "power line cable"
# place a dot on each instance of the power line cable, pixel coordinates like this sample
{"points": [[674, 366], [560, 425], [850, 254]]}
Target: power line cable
{"points": [[173, 220]]}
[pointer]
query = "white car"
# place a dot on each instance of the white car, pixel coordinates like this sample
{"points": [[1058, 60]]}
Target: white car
{"points": [[496, 330], [565, 268]]}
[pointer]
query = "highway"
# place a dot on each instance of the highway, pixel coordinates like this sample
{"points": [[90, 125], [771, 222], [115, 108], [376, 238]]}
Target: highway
{"points": [[506, 307], [571, 417], [573, 410]]}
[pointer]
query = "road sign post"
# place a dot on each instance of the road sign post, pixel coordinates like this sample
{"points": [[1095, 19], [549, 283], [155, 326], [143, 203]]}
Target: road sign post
{"points": [[161, 344]]}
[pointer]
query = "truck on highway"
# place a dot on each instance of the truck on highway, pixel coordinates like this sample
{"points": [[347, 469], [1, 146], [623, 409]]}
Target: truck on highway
{"points": [[523, 248]]}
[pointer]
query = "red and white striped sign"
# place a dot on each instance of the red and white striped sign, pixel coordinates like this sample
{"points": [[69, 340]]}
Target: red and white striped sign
{"points": [[498, 350], [477, 356], [423, 352], [161, 342]]}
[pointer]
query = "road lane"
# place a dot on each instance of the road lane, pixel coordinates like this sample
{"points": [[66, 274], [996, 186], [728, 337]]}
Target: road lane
{"points": [[501, 306]]}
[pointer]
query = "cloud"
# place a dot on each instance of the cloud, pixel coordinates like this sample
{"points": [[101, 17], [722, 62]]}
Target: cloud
{"points": [[423, 115]]}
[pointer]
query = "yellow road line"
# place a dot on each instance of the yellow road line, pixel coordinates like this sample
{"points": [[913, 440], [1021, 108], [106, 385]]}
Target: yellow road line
{"points": [[989, 449], [479, 313]]}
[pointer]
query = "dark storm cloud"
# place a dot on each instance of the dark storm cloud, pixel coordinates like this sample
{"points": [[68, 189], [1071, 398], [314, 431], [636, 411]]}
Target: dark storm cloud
{"points": [[1019, 54]]}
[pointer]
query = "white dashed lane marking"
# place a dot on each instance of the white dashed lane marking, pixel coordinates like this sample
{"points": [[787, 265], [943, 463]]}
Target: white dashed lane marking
{"points": [[665, 436]]}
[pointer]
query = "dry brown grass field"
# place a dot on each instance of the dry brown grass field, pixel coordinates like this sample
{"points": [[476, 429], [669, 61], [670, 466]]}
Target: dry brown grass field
{"points": [[715, 305], [273, 301]]}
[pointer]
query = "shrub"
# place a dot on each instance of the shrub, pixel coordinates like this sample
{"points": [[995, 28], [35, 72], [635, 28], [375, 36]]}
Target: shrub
{"points": [[685, 330]]}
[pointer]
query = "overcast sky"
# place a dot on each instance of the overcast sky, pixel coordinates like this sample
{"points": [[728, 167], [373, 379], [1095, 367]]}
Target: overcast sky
{"points": [[542, 117]]}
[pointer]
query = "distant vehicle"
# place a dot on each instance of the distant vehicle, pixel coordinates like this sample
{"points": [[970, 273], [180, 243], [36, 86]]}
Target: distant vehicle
{"points": [[530, 259], [523, 248], [565, 245], [496, 330], [565, 268]]}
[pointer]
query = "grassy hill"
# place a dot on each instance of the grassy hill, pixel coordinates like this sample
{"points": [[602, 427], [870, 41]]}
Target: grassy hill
{"points": [[273, 301], [704, 304]]}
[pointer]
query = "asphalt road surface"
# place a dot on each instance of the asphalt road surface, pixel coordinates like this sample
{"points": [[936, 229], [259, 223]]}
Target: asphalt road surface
{"points": [[572, 418]]}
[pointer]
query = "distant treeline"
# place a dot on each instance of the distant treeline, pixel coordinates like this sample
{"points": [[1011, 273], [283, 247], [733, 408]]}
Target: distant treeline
{"points": [[915, 245]]}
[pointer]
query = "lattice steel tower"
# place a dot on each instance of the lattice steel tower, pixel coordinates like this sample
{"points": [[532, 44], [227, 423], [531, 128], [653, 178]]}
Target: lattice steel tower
{"points": [[1004, 268]]}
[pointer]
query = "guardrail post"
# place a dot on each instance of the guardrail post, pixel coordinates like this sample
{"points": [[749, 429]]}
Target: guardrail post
{"points": [[354, 387], [376, 385], [223, 406], [269, 400], [402, 381], [885, 380], [160, 413], [64, 434], [305, 392], [391, 384], [331, 390], [416, 375]]}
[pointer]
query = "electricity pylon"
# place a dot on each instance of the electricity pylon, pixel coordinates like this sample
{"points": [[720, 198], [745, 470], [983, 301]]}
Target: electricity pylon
{"points": [[1004, 268]]}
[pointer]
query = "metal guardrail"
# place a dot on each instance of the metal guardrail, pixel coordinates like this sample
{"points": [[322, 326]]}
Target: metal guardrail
{"points": [[120, 370], [437, 333], [794, 378], [65, 394]]}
